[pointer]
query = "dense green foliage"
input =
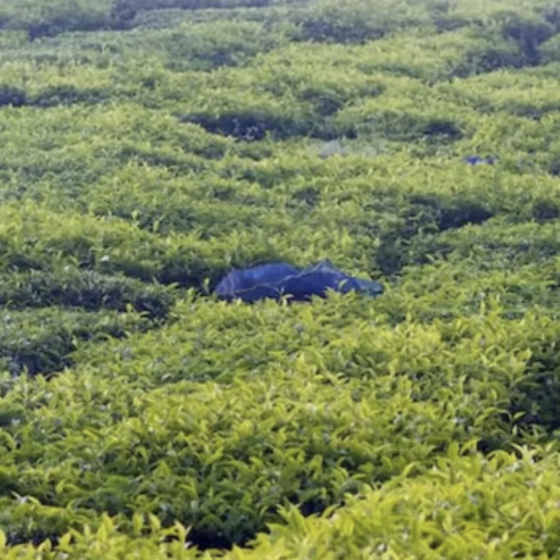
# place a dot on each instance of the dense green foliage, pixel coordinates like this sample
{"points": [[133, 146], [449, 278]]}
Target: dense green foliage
{"points": [[150, 146]]}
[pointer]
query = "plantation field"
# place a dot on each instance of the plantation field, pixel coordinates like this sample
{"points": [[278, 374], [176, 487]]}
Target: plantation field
{"points": [[149, 147]]}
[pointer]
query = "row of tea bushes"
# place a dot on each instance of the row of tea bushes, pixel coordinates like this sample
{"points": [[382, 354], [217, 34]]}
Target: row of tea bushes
{"points": [[58, 161], [148, 224], [523, 272], [87, 289], [34, 238], [267, 406], [447, 513], [98, 172], [190, 48], [41, 341], [130, 172], [319, 91], [57, 17], [318, 21]]}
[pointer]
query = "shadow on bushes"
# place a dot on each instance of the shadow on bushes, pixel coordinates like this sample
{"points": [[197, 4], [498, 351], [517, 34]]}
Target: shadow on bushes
{"points": [[546, 210], [249, 127], [66, 95], [74, 18], [46, 355], [528, 34], [425, 215], [12, 96], [488, 60], [88, 290], [51, 96], [538, 399], [42, 342], [401, 126]]}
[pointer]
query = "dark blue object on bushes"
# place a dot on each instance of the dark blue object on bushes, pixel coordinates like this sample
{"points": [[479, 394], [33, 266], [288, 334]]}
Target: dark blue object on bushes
{"points": [[477, 160], [272, 281]]}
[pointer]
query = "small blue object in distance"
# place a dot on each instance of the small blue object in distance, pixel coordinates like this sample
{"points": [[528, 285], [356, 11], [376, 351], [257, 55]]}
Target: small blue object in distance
{"points": [[272, 281], [477, 160]]}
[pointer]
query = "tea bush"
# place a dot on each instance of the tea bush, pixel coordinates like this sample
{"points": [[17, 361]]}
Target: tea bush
{"points": [[41, 341], [357, 21], [88, 290], [443, 514], [148, 148], [328, 429], [216, 44], [55, 16]]}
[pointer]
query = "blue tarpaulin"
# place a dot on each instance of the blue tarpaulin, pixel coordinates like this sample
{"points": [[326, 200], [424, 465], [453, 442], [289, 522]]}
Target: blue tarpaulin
{"points": [[477, 160], [272, 281]]}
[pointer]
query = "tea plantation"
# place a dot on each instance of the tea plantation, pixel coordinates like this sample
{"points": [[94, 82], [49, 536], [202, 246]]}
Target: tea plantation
{"points": [[149, 147]]}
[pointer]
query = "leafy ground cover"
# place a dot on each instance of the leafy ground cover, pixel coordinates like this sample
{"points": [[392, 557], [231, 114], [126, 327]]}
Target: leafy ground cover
{"points": [[148, 148]]}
